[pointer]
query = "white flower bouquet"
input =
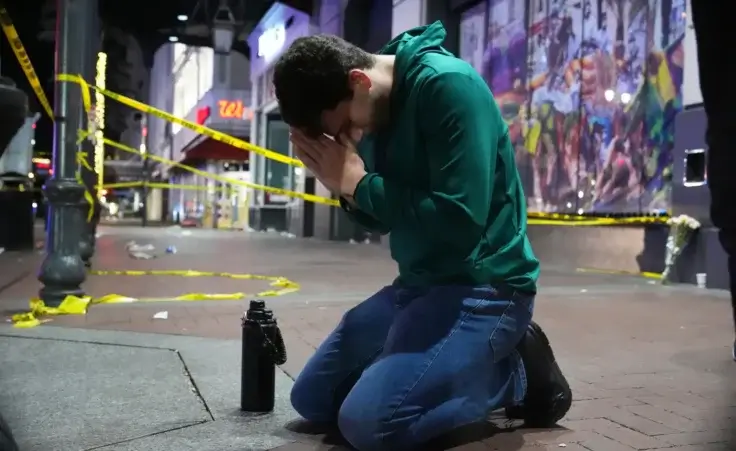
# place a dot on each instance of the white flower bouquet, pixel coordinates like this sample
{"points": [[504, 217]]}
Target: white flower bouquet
{"points": [[682, 229]]}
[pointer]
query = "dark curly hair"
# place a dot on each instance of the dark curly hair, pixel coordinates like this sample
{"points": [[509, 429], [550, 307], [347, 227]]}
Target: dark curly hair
{"points": [[312, 77]]}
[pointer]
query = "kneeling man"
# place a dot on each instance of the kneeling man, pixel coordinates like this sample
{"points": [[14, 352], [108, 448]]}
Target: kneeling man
{"points": [[413, 142]]}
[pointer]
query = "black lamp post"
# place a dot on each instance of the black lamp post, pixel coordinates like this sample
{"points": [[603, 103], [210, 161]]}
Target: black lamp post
{"points": [[63, 272]]}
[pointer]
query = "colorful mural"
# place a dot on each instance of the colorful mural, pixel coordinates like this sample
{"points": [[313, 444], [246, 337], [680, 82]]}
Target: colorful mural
{"points": [[590, 89]]}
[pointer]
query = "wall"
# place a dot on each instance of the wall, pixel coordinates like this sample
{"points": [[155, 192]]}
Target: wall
{"points": [[590, 93], [161, 94], [691, 94], [408, 14], [589, 90], [234, 84]]}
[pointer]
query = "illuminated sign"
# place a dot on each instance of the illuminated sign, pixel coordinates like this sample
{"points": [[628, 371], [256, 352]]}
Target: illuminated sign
{"points": [[203, 114], [271, 41], [231, 109]]}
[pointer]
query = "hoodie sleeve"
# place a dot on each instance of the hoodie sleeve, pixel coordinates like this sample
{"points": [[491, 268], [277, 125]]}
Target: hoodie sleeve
{"points": [[460, 125], [364, 220]]}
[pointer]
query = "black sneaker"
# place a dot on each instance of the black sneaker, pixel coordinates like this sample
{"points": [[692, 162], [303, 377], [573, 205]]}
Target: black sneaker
{"points": [[548, 397]]}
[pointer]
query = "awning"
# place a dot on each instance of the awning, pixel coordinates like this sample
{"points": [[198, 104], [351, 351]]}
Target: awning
{"points": [[204, 148]]}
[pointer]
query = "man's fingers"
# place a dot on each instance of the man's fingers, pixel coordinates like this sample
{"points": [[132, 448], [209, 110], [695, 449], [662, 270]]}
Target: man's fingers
{"points": [[306, 158]]}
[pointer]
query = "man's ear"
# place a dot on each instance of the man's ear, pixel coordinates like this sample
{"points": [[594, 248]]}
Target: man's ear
{"points": [[358, 78]]}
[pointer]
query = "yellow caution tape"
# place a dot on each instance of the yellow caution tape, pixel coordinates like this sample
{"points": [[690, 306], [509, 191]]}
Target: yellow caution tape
{"points": [[646, 275], [76, 305], [25, 62], [225, 180], [580, 220], [200, 129]]}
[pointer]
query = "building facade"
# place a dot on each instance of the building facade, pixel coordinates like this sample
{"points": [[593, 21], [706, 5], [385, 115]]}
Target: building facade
{"points": [[570, 81], [210, 89]]}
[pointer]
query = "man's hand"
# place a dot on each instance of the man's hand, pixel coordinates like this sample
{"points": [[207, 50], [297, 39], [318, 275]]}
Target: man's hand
{"points": [[335, 163]]}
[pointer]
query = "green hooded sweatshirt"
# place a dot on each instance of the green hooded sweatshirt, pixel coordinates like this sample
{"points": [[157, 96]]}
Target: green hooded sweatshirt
{"points": [[442, 177]]}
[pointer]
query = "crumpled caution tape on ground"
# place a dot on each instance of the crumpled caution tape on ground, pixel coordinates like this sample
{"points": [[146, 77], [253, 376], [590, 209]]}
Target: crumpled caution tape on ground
{"points": [[75, 305], [615, 272]]}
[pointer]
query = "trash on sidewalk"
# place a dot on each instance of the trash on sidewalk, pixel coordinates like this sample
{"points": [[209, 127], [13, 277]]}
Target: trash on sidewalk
{"points": [[140, 251], [171, 250], [161, 315], [132, 246], [287, 235]]}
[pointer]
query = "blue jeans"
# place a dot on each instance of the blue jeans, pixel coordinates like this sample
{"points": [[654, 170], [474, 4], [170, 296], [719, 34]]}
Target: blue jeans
{"points": [[408, 365]]}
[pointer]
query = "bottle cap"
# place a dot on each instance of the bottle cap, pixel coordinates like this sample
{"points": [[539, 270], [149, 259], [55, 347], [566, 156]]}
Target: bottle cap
{"points": [[257, 305]]}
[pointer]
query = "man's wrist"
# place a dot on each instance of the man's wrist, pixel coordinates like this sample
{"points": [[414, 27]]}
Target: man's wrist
{"points": [[349, 189]]}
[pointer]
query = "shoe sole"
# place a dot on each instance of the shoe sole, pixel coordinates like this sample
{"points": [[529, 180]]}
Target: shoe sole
{"points": [[562, 401]]}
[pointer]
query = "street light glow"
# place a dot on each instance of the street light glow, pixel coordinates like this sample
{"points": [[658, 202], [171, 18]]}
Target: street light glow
{"points": [[173, 39], [182, 17]]}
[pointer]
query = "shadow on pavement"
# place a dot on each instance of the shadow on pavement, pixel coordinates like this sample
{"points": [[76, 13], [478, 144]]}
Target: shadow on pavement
{"points": [[329, 438]]}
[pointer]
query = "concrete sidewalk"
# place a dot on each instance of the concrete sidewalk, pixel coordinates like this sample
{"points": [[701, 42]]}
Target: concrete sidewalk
{"points": [[649, 365], [71, 390]]}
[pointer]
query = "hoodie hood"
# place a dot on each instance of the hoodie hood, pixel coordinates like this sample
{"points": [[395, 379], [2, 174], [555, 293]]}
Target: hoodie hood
{"points": [[412, 44]]}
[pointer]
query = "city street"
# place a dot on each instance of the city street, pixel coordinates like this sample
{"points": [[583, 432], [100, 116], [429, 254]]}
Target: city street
{"points": [[650, 366]]}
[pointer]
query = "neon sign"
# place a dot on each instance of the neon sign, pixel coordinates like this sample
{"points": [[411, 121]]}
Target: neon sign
{"points": [[271, 41], [203, 114], [231, 109]]}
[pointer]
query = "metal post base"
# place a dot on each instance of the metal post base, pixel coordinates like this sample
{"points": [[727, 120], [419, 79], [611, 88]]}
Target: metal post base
{"points": [[63, 271], [87, 235]]}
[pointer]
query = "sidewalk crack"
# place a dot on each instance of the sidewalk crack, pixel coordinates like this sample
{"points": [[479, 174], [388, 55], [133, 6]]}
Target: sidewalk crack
{"points": [[194, 387], [153, 434]]}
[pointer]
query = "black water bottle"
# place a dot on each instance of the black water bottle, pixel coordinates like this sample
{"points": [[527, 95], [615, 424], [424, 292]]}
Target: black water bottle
{"points": [[263, 349]]}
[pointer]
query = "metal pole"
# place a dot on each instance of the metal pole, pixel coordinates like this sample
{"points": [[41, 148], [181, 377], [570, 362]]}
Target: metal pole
{"points": [[62, 272], [91, 39], [146, 192]]}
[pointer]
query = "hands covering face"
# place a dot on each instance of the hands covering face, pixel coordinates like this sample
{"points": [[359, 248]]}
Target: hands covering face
{"points": [[335, 163]]}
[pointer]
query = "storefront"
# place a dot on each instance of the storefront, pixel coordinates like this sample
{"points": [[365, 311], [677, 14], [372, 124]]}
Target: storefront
{"points": [[210, 89], [280, 26], [207, 201]]}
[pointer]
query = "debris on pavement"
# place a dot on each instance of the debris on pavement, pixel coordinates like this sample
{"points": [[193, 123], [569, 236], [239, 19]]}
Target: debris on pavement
{"points": [[161, 315], [140, 252], [132, 246], [171, 250]]}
